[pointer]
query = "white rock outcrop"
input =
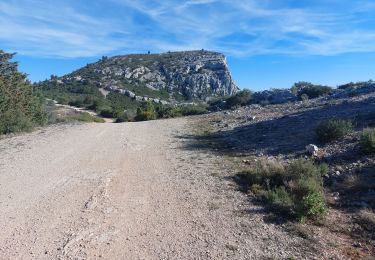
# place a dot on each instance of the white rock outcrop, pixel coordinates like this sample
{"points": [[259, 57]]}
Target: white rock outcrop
{"points": [[312, 149]]}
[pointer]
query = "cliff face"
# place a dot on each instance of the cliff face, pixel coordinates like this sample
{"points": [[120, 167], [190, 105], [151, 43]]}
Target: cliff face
{"points": [[191, 74]]}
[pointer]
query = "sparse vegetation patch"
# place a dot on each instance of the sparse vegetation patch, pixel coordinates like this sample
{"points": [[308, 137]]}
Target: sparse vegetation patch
{"points": [[333, 129], [86, 117], [239, 99], [311, 90], [368, 140], [296, 187]]}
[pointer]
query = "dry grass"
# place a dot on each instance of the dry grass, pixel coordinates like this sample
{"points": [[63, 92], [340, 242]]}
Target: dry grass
{"points": [[352, 182], [367, 219]]}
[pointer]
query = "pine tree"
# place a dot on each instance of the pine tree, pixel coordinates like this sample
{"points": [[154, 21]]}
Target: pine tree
{"points": [[20, 107]]}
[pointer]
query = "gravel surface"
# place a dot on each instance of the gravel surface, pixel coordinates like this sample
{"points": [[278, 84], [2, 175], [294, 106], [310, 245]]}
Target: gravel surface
{"points": [[129, 191]]}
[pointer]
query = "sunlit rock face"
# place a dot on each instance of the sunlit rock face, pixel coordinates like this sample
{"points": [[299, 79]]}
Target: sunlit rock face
{"points": [[191, 74]]}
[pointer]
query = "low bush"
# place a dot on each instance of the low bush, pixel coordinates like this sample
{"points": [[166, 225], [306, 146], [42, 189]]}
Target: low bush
{"points": [[333, 129], [62, 100], [106, 111], [86, 117], [14, 121], [146, 112], [167, 111], [78, 102], [310, 90], [297, 187], [354, 85], [368, 140], [315, 91], [346, 86], [312, 205], [192, 110], [239, 99], [123, 117]]}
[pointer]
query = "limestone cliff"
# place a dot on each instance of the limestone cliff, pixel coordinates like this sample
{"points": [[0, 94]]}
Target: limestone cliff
{"points": [[189, 74]]}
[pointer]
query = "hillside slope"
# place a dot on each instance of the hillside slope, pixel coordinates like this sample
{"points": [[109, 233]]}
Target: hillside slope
{"points": [[168, 76]]}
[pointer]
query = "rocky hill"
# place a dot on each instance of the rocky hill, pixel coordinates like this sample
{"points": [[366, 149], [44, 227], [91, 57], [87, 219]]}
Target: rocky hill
{"points": [[173, 75]]}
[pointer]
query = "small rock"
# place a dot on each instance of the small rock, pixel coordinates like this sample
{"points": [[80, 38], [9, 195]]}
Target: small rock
{"points": [[251, 118], [336, 195], [312, 149]]}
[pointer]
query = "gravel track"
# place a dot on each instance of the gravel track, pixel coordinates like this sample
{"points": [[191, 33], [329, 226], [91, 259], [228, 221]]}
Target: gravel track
{"points": [[127, 191]]}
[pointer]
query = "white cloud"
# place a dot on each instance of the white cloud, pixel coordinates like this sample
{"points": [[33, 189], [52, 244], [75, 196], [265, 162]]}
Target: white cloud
{"points": [[39, 29], [66, 29]]}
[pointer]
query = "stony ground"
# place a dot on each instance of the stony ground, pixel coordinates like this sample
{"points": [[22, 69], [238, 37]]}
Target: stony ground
{"points": [[249, 134], [131, 191]]}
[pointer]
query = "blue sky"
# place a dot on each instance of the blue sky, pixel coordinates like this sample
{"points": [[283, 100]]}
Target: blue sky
{"points": [[268, 43]]}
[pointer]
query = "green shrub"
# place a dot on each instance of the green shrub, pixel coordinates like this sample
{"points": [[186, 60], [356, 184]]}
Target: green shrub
{"points": [[167, 111], [304, 169], [348, 85], [77, 102], [86, 117], [106, 111], [310, 90], [356, 84], [146, 112], [333, 129], [120, 102], [215, 101], [297, 186], [368, 140], [192, 110], [315, 91], [14, 121], [239, 99], [280, 196], [311, 205], [256, 189], [62, 100], [123, 117], [80, 94], [97, 104], [269, 173]]}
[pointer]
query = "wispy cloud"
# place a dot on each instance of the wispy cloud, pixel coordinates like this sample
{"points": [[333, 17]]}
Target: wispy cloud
{"points": [[241, 28], [36, 28]]}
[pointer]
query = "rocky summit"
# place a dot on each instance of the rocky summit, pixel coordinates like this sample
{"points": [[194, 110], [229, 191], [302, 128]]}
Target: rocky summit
{"points": [[183, 75]]}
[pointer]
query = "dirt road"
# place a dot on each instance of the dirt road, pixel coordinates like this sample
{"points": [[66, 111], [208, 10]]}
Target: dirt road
{"points": [[126, 191]]}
